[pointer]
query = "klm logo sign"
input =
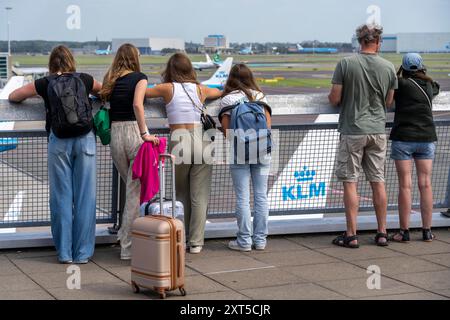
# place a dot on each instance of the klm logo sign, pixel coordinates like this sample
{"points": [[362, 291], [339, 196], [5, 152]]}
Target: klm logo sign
{"points": [[305, 187], [222, 75]]}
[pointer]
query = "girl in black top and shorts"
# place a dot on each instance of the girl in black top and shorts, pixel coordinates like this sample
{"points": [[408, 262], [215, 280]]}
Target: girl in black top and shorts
{"points": [[124, 87], [413, 137]]}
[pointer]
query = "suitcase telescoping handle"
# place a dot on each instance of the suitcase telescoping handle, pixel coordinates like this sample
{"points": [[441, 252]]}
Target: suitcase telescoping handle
{"points": [[162, 186]]}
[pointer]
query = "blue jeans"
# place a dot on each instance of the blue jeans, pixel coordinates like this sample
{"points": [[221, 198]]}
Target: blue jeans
{"points": [[259, 174], [72, 180], [402, 150]]}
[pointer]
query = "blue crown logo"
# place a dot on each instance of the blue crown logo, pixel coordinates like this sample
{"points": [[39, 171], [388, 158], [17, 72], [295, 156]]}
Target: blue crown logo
{"points": [[305, 175]]}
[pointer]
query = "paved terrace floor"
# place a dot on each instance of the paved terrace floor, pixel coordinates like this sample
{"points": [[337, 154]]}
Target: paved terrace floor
{"points": [[291, 267]]}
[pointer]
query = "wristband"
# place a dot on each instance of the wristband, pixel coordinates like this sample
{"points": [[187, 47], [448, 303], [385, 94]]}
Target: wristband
{"points": [[144, 134]]}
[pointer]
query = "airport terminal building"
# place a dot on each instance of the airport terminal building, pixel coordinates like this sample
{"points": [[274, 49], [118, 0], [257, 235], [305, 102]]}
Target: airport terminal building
{"points": [[148, 46], [436, 42]]}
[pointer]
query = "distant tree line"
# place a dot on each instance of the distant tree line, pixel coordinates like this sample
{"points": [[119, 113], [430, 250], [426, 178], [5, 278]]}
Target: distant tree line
{"points": [[44, 47]]}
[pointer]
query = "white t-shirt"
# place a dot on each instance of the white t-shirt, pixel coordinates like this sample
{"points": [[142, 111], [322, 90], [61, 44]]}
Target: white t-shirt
{"points": [[236, 97]]}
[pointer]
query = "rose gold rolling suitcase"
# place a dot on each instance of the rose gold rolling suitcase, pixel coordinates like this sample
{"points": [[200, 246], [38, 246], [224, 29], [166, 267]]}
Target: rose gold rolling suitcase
{"points": [[158, 252]]}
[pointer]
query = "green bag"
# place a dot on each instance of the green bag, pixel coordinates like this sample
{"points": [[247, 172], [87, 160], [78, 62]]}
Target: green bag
{"points": [[103, 125]]}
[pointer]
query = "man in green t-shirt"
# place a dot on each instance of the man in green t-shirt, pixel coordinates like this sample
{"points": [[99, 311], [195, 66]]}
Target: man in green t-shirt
{"points": [[363, 87]]}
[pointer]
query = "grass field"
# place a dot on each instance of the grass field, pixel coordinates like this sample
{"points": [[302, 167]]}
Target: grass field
{"points": [[298, 70]]}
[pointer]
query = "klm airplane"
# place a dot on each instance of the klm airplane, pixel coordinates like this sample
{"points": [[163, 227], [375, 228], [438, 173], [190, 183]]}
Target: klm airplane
{"points": [[103, 52], [246, 51], [300, 49], [203, 65]]}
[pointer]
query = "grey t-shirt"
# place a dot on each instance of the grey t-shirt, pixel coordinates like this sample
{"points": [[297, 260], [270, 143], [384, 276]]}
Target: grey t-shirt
{"points": [[367, 80]]}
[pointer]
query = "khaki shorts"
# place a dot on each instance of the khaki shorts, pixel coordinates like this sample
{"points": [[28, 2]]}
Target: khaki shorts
{"points": [[366, 151]]}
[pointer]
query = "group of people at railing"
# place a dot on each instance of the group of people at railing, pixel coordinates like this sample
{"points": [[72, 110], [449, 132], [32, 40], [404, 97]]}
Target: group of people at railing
{"points": [[364, 86]]}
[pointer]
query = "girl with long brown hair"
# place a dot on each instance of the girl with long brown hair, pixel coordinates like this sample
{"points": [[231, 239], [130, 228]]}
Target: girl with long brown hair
{"points": [[241, 87], [184, 98], [71, 154], [124, 87]]}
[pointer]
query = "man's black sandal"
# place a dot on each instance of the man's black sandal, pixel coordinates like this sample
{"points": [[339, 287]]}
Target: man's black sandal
{"points": [[427, 236], [344, 241]]}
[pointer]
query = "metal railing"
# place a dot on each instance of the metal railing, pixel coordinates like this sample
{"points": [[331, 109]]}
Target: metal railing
{"points": [[303, 182]]}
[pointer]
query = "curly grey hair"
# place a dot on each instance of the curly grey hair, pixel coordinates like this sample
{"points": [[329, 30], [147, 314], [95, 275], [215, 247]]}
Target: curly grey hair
{"points": [[369, 33]]}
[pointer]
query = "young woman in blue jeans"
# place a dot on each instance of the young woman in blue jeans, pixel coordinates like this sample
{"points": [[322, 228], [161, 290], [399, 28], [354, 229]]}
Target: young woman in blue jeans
{"points": [[71, 168], [413, 137], [241, 87]]}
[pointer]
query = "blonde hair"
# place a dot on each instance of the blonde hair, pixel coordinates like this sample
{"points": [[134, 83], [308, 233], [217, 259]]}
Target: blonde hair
{"points": [[61, 60], [126, 59]]}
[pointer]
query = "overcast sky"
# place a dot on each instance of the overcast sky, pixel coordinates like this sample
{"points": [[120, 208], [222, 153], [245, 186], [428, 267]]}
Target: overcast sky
{"points": [[240, 20]]}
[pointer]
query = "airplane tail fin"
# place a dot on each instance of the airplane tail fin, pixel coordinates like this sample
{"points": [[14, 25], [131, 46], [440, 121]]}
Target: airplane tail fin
{"points": [[299, 47], [14, 83], [208, 59], [221, 75], [109, 48]]}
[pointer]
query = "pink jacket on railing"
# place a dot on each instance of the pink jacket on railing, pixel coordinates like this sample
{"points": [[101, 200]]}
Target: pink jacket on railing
{"points": [[145, 168]]}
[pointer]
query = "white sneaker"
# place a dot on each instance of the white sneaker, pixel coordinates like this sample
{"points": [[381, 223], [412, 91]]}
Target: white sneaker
{"points": [[125, 254], [260, 247], [233, 245], [195, 249]]}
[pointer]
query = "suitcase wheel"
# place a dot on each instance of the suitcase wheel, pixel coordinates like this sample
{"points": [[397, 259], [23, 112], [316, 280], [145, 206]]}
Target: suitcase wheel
{"points": [[183, 291], [135, 287]]}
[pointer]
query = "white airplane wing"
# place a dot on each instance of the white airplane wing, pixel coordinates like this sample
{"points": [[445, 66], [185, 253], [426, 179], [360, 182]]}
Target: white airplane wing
{"points": [[13, 84], [221, 75]]}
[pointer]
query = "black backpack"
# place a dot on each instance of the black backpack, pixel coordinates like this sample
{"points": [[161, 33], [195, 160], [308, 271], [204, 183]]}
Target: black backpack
{"points": [[70, 111]]}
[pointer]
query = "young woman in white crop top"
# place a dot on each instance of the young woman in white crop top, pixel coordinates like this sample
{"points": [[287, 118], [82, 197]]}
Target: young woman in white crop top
{"points": [[184, 98], [241, 87]]}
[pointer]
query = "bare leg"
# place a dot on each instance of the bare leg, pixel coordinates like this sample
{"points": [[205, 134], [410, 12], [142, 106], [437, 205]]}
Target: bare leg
{"points": [[404, 169], [424, 169], [351, 203], [380, 204]]}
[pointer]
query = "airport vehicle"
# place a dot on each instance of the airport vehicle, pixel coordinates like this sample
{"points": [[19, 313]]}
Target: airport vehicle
{"points": [[103, 52], [246, 51], [300, 49], [203, 65]]}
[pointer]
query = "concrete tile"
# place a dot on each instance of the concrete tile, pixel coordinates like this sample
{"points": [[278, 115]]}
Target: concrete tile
{"points": [[435, 280], [278, 244], [445, 293], [418, 248], [439, 258], [8, 268], [313, 241], [59, 279], [17, 283], [32, 253], [25, 295], [400, 265], [110, 258], [255, 278], [326, 271], [47, 265], [424, 295], [222, 295], [363, 253], [201, 284], [357, 288], [102, 291], [294, 258], [442, 234], [123, 273], [221, 264], [302, 291], [213, 248]]}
